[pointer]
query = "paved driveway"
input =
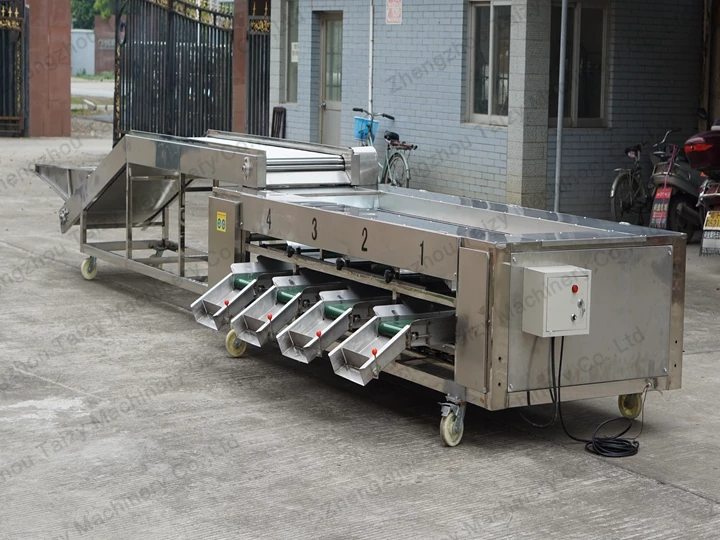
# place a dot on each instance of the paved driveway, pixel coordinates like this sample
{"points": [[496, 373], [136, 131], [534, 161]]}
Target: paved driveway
{"points": [[85, 88]]}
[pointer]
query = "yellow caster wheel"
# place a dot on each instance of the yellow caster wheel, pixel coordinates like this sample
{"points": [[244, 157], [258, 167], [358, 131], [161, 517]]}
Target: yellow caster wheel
{"points": [[235, 347], [89, 268], [159, 254], [630, 405], [451, 431]]}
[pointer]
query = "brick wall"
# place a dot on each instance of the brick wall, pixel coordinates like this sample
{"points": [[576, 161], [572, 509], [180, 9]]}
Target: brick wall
{"points": [[654, 62], [49, 68], [419, 79], [655, 56]]}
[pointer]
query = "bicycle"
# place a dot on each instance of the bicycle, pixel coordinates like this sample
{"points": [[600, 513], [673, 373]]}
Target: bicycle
{"points": [[395, 170], [632, 195]]}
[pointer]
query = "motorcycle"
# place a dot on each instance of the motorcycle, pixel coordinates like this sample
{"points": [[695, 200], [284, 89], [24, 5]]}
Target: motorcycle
{"points": [[667, 200], [703, 151], [677, 187]]}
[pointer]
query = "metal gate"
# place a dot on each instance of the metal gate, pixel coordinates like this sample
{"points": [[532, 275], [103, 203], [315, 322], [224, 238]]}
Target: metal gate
{"points": [[13, 73], [258, 68], [173, 67]]}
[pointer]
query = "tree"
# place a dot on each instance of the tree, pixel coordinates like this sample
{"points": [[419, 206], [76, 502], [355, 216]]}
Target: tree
{"points": [[83, 14], [105, 8]]}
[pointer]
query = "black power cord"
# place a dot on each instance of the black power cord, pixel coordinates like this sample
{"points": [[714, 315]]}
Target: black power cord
{"points": [[552, 398], [609, 446]]}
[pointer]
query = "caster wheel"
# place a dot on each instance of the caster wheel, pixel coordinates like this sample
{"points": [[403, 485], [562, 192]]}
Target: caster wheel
{"points": [[89, 268], [159, 254], [235, 347], [447, 430], [630, 405]]}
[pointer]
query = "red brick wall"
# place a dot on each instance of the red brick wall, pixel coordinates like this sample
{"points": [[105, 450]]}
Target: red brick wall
{"points": [[104, 44], [49, 69]]}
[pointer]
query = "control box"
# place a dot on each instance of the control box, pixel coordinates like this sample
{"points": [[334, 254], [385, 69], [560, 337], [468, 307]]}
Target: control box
{"points": [[556, 301]]}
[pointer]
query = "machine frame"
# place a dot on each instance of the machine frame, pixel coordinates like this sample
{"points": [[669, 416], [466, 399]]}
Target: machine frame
{"points": [[289, 222]]}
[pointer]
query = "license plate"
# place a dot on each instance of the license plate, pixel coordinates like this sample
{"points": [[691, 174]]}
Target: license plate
{"points": [[712, 220], [658, 217]]}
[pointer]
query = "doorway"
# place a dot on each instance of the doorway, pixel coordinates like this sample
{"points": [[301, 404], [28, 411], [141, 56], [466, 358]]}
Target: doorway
{"points": [[331, 54]]}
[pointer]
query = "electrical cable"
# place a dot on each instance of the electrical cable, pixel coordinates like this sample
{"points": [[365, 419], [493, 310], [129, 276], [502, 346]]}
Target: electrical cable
{"points": [[608, 446], [553, 399]]}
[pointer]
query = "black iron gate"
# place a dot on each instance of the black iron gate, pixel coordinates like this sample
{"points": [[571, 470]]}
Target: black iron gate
{"points": [[13, 72], [173, 67], [258, 68]]}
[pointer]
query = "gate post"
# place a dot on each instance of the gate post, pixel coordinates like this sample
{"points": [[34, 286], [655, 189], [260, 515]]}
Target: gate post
{"points": [[49, 68], [240, 49]]}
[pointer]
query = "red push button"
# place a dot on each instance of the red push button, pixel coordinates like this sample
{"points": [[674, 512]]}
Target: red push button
{"points": [[575, 288]]}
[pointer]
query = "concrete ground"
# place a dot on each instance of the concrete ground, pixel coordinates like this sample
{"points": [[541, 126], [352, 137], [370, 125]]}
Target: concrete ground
{"points": [[120, 417]]}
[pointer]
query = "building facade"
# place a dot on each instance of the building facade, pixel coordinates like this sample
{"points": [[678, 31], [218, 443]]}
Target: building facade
{"points": [[474, 85]]}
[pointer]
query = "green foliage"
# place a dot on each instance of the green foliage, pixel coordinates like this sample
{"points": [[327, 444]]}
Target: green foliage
{"points": [[106, 8], [83, 14]]}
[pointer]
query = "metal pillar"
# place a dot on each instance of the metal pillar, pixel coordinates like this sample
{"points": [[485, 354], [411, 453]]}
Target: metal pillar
{"points": [[561, 105]]}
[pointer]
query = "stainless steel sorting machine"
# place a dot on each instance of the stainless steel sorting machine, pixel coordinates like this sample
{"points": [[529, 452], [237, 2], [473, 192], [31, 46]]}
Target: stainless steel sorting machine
{"points": [[470, 298]]}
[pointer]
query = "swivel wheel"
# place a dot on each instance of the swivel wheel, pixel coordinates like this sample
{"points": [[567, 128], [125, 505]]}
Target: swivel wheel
{"points": [[451, 429], [235, 347], [159, 253], [89, 268], [630, 405], [452, 423]]}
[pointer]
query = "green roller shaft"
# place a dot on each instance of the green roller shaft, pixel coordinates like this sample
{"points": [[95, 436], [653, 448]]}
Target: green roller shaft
{"points": [[333, 312], [284, 297], [390, 329], [241, 282]]}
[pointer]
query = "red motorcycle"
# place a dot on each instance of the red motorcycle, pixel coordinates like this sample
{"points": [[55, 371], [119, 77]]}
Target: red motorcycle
{"points": [[703, 152]]}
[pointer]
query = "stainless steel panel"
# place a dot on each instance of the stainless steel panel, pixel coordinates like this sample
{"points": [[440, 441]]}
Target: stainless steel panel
{"points": [[472, 317], [397, 287], [476, 220], [103, 191], [64, 180], [224, 246], [111, 168], [312, 333], [520, 220], [210, 309], [586, 391], [149, 197], [499, 335], [632, 291], [196, 159], [364, 166], [677, 316], [265, 317], [426, 252], [354, 359]]}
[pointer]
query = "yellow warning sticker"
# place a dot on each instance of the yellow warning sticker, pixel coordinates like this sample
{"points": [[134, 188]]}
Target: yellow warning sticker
{"points": [[222, 221]]}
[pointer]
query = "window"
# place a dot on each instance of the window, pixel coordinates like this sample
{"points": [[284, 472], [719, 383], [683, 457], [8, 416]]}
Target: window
{"points": [[584, 65], [489, 74], [291, 52]]}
